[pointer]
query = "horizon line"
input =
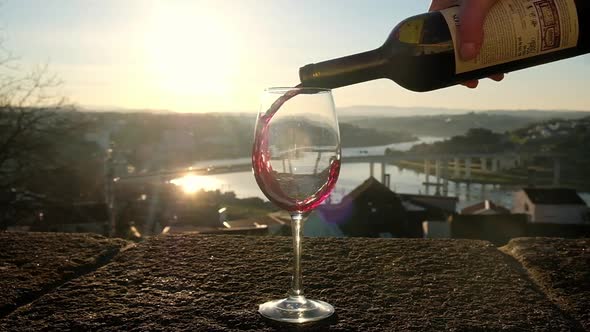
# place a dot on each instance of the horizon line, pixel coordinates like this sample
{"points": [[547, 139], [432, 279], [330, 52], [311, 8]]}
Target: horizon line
{"points": [[122, 109]]}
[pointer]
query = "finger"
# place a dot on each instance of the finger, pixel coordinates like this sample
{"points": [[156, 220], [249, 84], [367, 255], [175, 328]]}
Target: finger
{"points": [[473, 14], [497, 77], [471, 84], [442, 4]]}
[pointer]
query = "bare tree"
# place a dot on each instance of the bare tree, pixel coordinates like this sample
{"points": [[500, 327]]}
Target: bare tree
{"points": [[33, 118]]}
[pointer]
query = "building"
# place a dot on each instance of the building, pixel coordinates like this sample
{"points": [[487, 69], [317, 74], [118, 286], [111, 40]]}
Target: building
{"points": [[373, 210], [444, 204], [486, 207], [428, 214], [370, 210], [551, 206], [324, 221], [80, 217], [195, 218], [262, 225], [252, 226], [17, 209], [436, 229], [496, 228]]}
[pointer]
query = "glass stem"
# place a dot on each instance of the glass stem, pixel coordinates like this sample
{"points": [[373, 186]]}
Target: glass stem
{"points": [[297, 231]]}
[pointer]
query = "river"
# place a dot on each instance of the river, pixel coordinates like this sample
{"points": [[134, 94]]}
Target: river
{"points": [[353, 174]]}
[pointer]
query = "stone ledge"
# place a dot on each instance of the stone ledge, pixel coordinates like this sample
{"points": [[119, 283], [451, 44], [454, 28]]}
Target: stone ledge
{"points": [[215, 283], [561, 268], [32, 264]]}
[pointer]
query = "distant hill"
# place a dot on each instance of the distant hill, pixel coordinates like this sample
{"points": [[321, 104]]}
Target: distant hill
{"points": [[354, 136], [398, 123], [116, 109], [442, 125], [167, 140], [395, 111], [447, 125], [543, 114], [362, 111]]}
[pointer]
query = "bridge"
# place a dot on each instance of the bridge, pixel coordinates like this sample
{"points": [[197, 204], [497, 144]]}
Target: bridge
{"points": [[461, 165]]}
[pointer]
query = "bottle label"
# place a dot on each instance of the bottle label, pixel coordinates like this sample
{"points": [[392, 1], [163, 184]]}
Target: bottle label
{"points": [[519, 29]]}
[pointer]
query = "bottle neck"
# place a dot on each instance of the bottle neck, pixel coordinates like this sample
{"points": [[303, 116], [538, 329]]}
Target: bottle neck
{"points": [[345, 71]]}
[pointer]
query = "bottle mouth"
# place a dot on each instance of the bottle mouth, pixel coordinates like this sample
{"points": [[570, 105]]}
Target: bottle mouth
{"points": [[301, 89]]}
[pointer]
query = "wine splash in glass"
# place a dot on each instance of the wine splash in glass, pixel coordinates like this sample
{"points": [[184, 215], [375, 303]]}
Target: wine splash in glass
{"points": [[296, 162]]}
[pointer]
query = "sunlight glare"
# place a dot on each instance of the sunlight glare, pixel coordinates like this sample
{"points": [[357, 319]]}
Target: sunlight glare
{"points": [[190, 49], [190, 184]]}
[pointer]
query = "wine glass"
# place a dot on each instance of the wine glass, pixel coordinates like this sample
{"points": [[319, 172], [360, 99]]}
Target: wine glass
{"points": [[296, 162]]}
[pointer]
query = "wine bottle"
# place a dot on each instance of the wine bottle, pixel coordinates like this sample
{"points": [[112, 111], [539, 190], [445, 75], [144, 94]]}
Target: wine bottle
{"points": [[421, 53]]}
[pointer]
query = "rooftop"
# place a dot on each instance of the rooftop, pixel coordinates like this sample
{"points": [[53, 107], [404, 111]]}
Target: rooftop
{"points": [[485, 207], [215, 283], [554, 196]]}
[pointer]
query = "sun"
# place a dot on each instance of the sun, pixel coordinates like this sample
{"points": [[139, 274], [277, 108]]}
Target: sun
{"points": [[190, 51], [191, 184]]}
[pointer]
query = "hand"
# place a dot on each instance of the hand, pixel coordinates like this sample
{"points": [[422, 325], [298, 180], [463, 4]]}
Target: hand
{"points": [[472, 16]]}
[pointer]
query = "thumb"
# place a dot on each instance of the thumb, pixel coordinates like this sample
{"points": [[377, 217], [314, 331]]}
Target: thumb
{"points": [[473, 15]]}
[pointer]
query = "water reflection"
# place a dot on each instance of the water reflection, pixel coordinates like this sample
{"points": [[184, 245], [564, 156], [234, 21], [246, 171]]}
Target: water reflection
{"points": [[380, 150], [402, 181], [353, 174]]}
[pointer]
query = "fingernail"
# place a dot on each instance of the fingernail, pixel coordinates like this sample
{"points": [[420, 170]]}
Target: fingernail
{"points": [[471, 84], [468, 51]]}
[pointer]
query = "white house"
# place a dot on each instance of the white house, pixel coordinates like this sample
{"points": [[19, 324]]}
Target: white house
{"points": [[552, 206]]}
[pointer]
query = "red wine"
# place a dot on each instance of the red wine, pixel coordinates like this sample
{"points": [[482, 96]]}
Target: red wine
{"points": [[421, 54], [289, 191]]}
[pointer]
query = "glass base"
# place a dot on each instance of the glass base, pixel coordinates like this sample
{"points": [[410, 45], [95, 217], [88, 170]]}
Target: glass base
{"points": [[296, 309]]}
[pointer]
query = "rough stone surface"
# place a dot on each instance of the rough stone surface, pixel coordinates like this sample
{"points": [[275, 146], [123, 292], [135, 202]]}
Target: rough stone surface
{"points": [[32, 264], [561, 268], [215, 283]]}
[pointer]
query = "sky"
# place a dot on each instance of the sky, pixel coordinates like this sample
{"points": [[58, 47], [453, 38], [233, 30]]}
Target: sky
{"points": [[219, 55]]}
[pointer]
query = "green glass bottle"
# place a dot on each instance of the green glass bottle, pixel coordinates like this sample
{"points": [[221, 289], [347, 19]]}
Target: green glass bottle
{"points": [[420, 53]]}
